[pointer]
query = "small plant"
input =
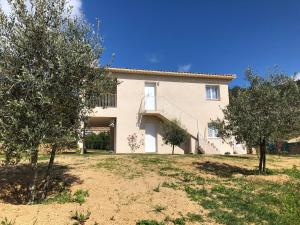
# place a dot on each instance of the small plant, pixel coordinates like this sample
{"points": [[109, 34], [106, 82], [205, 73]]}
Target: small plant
{"points": [[81, 218], [133, 142], [171, 185], [149, 222], [80, 196], [157, 189], [159, 208], [179, 221], [187, 177], [7, 222], [194, 217]]}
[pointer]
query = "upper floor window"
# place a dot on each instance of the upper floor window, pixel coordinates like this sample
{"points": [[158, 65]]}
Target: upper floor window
{"points": [[212, 131], [212, 92]]}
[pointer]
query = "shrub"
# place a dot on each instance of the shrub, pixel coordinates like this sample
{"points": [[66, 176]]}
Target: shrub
{"points": [[99, 141], [133, 142]]}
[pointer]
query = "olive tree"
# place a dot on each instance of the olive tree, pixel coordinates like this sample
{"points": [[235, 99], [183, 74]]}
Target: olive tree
{"points": [[266, 110], [48, 66], [173, 133]]}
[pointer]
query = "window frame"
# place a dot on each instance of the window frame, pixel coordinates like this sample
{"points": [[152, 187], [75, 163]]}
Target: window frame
{"points": [[214, 132], [218, 94]]}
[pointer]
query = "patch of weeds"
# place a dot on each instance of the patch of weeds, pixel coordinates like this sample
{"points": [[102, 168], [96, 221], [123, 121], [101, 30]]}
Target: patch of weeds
{"points": [[61, 198], [171, 185], [66, 197], [187, 177], [157, 189], [225, 217], [109, 163], [179, 221], [148, 161], [294, 172], [159, 208], [193, 217], [120, 166], [149, 222], [80, 218], [80, 196], [210, 204], [253, 202], [196, 194], [7, 222]]}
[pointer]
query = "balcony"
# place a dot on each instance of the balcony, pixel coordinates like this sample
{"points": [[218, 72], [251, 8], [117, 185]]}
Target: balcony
{"points": [[104, 100]]}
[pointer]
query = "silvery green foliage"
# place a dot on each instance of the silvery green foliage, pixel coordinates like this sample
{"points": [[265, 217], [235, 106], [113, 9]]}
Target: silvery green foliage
{"points": [[265, 111], [268, 109], [47, 70]]}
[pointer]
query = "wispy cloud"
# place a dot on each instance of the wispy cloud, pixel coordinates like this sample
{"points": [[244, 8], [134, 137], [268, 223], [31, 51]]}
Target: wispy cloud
{"points": [[185, 67], [297, 76], [153, 58], [5, 6], [76, 6]]}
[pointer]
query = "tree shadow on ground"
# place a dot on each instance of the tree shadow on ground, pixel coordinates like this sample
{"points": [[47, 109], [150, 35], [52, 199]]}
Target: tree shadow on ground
{"points": [[223, 169], [15, 181]]}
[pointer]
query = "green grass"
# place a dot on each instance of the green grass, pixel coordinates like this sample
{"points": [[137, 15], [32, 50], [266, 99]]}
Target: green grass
{"points": [[231, 200], [149, 222], [63, 197], [120, 166]]}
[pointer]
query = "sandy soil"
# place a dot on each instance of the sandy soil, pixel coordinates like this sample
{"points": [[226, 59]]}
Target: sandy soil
{"points": [[115, 199]]}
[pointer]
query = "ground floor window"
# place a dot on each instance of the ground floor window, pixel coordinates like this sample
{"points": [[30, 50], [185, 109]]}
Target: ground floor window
{"points": [[212, 131]]}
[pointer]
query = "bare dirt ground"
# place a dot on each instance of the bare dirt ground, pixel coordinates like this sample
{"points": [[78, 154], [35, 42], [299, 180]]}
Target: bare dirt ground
{"points": [[121, 188]]}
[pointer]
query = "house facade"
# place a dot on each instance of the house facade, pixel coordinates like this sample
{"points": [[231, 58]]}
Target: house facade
{"points": [[145, 99]]}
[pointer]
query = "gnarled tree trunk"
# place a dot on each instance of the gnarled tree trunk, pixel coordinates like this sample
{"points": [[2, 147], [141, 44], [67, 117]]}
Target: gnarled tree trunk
{"points": [[34, 169], [48, 175]]}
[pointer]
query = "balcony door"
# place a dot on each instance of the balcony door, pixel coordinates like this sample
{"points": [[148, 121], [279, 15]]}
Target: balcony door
{"points": [[150, 96]]}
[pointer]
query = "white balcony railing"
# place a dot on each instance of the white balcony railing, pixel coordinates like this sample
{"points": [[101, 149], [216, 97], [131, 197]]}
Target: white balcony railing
{"points": [[104, 100]]}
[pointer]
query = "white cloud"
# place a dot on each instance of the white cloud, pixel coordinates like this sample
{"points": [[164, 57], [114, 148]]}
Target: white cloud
{"points": [[297, 76], [5, 6], [185, 67], [77, 7], [76, 4], [153, 58]]}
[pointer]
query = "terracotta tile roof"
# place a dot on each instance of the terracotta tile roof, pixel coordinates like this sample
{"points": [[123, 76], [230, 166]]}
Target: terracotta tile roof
{"points": [[171, 73]]}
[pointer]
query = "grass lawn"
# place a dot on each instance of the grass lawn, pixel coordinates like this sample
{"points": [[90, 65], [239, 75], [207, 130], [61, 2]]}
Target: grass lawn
{"points": [[164, 189]]}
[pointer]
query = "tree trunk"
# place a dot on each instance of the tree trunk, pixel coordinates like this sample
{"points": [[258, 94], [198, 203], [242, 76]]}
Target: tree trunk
{"points": [[262, 156], [173, 149], [34, 167], [83, 150], [49, 171]]}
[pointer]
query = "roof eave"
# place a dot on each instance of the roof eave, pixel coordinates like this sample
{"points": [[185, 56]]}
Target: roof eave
{"points": [[228, 77]]}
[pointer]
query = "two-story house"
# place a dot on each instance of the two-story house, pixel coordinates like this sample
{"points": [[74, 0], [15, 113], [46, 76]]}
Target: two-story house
{"points": [[145, 99]]}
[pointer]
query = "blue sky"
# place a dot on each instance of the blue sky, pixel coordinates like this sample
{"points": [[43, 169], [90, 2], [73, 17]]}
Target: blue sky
{"points": [[210, 36]]}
